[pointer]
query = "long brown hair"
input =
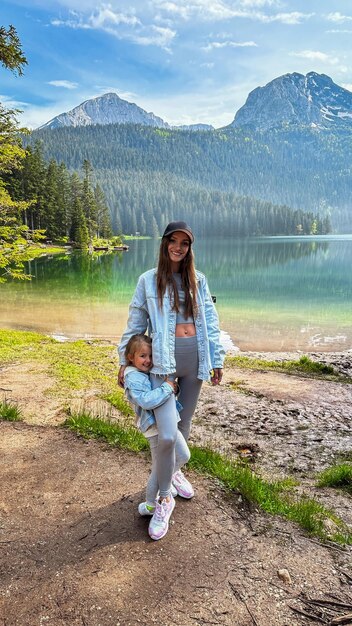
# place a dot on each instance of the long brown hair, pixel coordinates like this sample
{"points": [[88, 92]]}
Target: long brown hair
{"points": [[135, 342], [165, 279]]}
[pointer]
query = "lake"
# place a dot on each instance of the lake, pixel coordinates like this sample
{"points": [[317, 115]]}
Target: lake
{"points": [[276, 293]]}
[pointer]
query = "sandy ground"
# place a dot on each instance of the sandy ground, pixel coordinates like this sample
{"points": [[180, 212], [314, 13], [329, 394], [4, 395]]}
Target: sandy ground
{"points": [[74, 550]]}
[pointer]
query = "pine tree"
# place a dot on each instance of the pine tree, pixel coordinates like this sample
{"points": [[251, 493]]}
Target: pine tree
{"points": [[102, 214]]}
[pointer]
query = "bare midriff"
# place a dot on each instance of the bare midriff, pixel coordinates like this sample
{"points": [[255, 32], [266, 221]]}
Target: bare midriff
{"points": [[185, 330]]}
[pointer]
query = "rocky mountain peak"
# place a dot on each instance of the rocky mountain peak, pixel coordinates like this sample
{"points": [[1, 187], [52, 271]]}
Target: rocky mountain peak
{"points": [[296, 99], [106, 109]]}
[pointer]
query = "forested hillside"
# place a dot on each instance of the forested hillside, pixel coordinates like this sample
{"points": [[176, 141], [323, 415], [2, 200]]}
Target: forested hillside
{"points": [[234, 180]]}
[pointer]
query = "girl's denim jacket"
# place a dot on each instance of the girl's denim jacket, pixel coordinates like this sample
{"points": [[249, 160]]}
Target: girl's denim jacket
{"points": [[145, 314], [139, 392]]}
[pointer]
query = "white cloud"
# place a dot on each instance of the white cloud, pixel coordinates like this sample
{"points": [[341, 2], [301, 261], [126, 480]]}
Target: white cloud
{"points": [[205, 9], [339, 31], [347, 86], [105, 16], [229, 44], [11, 103], [158, 36], [295, 17], [217, 10], [116, 24], [258, 3], [315, 55], [102, 18], [66, 84], [338, 18]]}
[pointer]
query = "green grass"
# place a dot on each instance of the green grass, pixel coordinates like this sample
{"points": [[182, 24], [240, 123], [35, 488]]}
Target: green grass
{"points": [[123, 436], [272, 497], [10, 412], [303, 366], [76, 365], [339, 476], [117, 399]]}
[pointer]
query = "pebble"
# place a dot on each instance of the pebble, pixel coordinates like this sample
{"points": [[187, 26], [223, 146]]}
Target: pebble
{"points": [[284, 575]]}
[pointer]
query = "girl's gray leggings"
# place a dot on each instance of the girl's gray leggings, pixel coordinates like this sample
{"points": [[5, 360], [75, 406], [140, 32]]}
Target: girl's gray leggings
{"points": [[166, 417], [181, 457]]}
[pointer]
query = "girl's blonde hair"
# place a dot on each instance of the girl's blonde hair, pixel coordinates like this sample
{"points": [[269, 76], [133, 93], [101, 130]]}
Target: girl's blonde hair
{"points": [[134, 343]]}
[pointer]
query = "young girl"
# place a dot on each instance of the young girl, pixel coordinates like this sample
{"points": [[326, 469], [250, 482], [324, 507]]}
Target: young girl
{"points": [[140, 393]]}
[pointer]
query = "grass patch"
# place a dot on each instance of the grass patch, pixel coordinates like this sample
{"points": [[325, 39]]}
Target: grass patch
{"points": [[121, 435], [117, 399], [339, 476], [76, 365], [303, 366], [10, 412], [238, 385], [271, 497]]}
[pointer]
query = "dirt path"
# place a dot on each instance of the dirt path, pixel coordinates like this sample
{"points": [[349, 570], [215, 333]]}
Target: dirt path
{"points": [[74, 550]]}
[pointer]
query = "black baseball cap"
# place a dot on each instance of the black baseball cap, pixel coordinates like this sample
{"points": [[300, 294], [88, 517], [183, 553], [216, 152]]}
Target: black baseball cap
{"points": [[173, 227]]}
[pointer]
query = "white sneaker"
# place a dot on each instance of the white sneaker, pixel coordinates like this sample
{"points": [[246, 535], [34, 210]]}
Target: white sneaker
{"points": [[159, 524], [145, 509], [174, 492], [182, 485]]}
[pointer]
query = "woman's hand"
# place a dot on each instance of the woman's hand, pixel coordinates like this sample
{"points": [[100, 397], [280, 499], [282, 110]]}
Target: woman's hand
{"points": [[121, 376], [173, 384], [217, 376]]}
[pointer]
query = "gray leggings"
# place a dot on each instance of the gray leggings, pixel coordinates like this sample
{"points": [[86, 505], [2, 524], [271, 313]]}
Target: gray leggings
{"points": [[182, 455], [166, 417]]}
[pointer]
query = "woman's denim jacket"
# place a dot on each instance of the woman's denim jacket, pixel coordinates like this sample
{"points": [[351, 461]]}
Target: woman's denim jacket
{"points": [[145, 314], [139, 392]]}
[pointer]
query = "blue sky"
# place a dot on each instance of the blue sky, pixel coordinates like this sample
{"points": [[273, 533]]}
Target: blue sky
{"points": [[187, 61]]}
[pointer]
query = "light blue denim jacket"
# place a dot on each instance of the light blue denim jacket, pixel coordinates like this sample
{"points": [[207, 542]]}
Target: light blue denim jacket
{"points": [[139, 392], [146, 315]]}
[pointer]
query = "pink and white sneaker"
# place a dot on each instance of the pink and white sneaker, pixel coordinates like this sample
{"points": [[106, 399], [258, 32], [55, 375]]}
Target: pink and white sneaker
{"points": [[182, 485], [159, 524]]}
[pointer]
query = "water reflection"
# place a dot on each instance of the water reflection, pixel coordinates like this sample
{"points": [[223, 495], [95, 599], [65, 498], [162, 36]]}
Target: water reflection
{"points": [[271, 292]]}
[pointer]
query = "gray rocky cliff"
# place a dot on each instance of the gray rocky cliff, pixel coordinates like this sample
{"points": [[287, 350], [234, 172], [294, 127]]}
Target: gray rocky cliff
{"points": [[311, 100]]}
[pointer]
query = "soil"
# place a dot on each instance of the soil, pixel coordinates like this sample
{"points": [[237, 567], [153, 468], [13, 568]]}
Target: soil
{"points": [[74, 550]]}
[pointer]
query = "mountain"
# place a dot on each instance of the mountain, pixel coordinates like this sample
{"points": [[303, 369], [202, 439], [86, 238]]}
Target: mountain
{"points": [[106, 109], [294, 99], [289, 145]]}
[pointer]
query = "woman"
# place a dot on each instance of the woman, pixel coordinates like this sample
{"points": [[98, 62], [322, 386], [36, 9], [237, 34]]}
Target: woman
{"points": [[174, 304]]}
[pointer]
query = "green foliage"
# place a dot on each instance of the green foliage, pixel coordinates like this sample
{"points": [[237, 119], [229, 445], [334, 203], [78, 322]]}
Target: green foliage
{"points": [[337, 476], [15, 235], [11, 55], [219, 181], [10, 412], [57, 202]]}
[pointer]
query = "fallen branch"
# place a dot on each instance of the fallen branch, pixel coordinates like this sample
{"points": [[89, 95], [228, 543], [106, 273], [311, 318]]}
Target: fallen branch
{"points": [[306, 614], [237, 595], [344, 619]]}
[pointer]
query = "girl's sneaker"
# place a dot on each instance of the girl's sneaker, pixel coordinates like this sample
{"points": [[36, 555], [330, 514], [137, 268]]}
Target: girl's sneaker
{"points": [[182, 485], [159, 524], [145, 509]]}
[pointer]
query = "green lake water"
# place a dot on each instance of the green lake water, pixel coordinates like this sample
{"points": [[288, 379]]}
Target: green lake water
{"points": [[271, 293]]}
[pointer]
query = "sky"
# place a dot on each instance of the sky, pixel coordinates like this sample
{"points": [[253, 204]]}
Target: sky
{"points": [[187, 61]]}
